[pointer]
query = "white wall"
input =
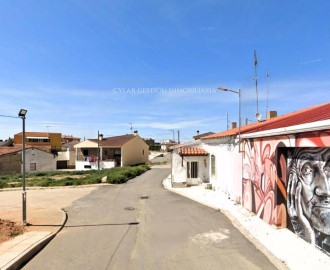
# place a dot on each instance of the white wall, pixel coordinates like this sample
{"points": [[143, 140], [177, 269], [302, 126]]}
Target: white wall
{"points": [[80, 165], [64, 155], [228, 175]]}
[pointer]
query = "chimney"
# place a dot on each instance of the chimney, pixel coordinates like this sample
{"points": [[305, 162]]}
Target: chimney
{"points": [[233, 125], [135, 132], [197, 132], [100, 137], [271, 114]]}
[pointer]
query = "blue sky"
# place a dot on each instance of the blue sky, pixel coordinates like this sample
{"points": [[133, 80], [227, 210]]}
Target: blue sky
{"points": [[79, 66]]}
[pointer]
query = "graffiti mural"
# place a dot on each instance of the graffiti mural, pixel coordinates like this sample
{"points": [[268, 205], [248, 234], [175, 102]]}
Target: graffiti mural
{"points": [[264, 181], [308, 190], [286, 182]]}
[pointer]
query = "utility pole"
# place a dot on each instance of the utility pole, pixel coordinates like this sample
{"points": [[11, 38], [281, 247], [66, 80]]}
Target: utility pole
{"points": [[98, 150], [178, 136]]}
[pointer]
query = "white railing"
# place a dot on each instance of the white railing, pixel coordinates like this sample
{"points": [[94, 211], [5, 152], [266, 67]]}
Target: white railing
{"points": [[93, 165]]}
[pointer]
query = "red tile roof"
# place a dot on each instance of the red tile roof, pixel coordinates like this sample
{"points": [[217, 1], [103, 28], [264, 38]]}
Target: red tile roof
{"points": [[116, 141], [307, 115], [192, 151], [18, 147], [37, 134], [7, 149]]}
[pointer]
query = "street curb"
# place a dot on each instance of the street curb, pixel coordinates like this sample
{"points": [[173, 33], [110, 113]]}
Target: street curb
{"points": [[273, 259], [32, 251], [55, 187]]}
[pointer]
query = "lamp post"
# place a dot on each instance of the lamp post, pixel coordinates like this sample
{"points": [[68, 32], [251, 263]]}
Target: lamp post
{"points": [[239, 112], [22, 114]]}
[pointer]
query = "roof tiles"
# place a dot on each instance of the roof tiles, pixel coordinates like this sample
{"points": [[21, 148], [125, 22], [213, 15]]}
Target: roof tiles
{"points": [[116, 141], [192, 151], [307, 115]]}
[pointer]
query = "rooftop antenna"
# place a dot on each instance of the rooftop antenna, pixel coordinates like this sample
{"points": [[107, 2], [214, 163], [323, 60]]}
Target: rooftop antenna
{"points": [[267, 77], [48, 126], [227, 122], [131, 128], [258, 115]]}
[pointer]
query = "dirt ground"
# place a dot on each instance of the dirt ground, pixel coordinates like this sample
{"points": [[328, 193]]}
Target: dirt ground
{"points": [[9, 229]]}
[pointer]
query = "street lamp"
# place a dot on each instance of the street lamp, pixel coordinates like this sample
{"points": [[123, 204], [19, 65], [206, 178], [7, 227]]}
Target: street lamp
{"points": [[22, 114], [239, 112]]}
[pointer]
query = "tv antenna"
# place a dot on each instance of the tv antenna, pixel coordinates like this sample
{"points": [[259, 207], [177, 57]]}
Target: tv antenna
{"points": [[131, 128], [48, 126], [256, 77], [267, 77]]}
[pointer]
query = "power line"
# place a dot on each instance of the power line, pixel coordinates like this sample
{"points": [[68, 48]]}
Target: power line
{"points": [[8, 116]]}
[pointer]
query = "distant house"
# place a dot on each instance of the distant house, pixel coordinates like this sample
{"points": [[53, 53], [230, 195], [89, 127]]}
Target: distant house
{"points": [[111, 152], [200, 135], [153, 146], [67, 157], [165, 146], [44, 139], [36, 160], [69, 139]]}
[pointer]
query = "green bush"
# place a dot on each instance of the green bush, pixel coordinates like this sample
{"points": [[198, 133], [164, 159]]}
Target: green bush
{"points": [[47, 179]]}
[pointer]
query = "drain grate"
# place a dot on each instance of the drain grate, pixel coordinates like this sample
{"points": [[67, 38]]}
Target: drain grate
{"points": [[144, 197], [129, 208]]}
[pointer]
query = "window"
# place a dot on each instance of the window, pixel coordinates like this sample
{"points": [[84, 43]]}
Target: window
{"points": [[143, 152], [36, 140], [192, 169], [212, 165], [33, 166], [85, 152]]}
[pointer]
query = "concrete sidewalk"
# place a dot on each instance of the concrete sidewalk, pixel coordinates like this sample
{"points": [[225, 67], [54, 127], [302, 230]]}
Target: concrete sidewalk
{"points": [[285, 249]]}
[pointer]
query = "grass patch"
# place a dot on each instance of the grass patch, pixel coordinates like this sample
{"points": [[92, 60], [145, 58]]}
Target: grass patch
{"points": [[72, 178]]}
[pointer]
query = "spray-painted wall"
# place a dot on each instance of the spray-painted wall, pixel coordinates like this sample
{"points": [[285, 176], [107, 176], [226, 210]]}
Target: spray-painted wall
{"points": [[264, 179], [286, 182]]}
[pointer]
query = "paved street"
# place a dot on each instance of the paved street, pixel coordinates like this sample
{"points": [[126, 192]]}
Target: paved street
{"points": [[140, 225]]}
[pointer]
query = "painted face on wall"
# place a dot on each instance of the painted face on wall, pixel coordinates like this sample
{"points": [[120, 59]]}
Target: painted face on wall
{"points": [[309, 193]]}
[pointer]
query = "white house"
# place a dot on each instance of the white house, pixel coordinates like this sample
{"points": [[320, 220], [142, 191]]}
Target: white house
{"points": [[111, 152]]}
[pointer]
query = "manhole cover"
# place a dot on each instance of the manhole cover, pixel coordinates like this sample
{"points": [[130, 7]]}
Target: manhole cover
{"points": [[129, 208], [144, 197]]}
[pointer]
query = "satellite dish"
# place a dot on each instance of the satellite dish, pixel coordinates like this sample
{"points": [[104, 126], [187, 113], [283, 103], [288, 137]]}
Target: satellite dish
{"points": [[258, 116]]}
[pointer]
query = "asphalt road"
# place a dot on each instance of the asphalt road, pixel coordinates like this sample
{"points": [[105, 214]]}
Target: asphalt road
{"points": [[140, 225]]}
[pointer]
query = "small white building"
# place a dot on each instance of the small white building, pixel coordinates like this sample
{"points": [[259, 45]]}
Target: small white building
{"points": [[189, 165], [36, 160]]}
